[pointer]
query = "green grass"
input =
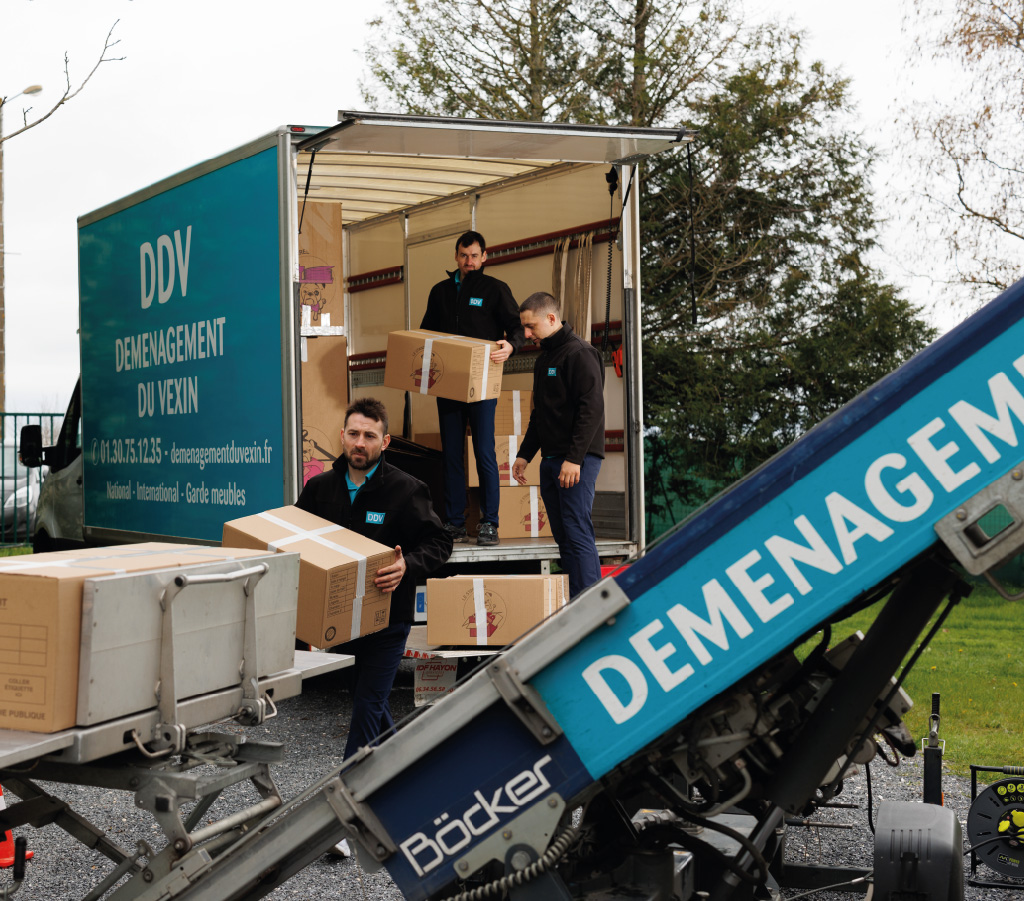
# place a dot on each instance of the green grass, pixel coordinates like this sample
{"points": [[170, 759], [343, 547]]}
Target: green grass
{"points": [[15, 550], [975, 664]]}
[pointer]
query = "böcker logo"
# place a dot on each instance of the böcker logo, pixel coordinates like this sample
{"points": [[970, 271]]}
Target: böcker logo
{"points": [[425, 852]]}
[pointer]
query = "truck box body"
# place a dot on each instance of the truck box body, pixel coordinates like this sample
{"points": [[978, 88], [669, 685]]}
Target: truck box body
{"points": [[207, 300]]}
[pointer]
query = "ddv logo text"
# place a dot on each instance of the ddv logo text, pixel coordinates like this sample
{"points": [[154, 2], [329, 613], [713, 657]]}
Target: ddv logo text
{"points": [[374, 518]]}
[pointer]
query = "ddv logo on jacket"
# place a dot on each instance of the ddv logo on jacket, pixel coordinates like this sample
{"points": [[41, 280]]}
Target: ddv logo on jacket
{"points": [[476, 301], [552, 370], [374, 519]]}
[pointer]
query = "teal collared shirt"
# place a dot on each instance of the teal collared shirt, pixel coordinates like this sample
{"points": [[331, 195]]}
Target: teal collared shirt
{"points": [[353, 488]]}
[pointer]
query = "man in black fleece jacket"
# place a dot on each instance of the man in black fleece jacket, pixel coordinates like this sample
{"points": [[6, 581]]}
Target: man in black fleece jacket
{"points": [[567, 426], [364, 493], [473, 304]]}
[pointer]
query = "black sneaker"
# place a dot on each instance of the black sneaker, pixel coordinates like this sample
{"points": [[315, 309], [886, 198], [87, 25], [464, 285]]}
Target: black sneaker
{"points": [[458, 533], [488, 533]]}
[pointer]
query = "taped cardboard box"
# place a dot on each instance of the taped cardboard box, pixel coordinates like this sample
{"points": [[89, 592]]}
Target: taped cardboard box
{"points": [[41, 640], [490, 610], [521, 512], [337, 598], [506, 449], [512, 412], [457, 368]]}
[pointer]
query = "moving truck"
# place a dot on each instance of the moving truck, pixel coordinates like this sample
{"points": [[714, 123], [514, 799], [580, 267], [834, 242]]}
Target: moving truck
{"points": [[230, 312]]}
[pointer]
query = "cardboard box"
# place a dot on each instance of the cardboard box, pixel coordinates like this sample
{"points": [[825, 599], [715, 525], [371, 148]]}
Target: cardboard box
{"points": [[512, 413], [509, 605], [324, 400], [337, 598], [458, 368], [41, 639], [428, 439], [521, 513], [321, 277], [506, 449]]}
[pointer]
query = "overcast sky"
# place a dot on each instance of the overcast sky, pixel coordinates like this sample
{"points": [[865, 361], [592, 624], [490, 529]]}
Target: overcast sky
{"points": [[200, 78]]}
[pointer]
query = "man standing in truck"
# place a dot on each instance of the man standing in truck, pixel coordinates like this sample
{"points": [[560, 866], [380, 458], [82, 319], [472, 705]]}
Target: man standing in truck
{"points": [[469, 302], [364, 493], [567, 427]]}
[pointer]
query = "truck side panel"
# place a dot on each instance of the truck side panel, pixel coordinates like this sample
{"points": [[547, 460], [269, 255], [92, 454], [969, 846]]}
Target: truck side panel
{"points": [[182, 355]]}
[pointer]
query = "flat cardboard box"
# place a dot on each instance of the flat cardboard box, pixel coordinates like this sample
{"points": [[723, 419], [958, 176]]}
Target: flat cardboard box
{"points": [[506, 449], [337, 598], [41, 615], [458, 368], [512, 413], [321, 278], [509, 605], [324, 400]]}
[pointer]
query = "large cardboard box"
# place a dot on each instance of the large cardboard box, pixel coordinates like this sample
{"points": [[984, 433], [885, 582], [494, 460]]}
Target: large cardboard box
{"points": [[512, 413], [506, 449], [42, 645], [458, 368], [324, 400], [507, 606], [337, 598]]}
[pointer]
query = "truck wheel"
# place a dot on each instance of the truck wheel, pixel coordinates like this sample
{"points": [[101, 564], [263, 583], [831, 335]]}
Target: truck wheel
{"points": [[42, 543]]}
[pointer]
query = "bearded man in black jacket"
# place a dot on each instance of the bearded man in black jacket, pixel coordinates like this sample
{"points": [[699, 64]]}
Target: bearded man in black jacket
{"points": [[364, 493]]}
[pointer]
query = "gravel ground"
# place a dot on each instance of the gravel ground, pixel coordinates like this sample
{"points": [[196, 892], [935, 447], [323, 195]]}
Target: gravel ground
{"points": [[313, 728]]}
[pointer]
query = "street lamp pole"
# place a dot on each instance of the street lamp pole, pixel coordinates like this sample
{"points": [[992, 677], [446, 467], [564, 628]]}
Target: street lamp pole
{"points": [[31, 89]]}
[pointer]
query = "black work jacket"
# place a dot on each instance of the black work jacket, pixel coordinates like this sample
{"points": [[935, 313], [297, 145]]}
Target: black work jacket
{"points": [[568, 399], [479, 307], [408, 520]]}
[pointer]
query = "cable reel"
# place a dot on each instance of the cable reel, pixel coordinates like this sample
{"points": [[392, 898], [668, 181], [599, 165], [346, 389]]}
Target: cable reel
{"points": [[995, 826]]}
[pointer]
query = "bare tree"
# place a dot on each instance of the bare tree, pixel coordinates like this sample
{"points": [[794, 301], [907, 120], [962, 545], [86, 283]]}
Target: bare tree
{"points": [[69, 93], [967, 147]]}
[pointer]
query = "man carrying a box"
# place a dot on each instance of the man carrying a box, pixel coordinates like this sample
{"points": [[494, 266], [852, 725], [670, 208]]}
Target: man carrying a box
{"points": [[364, 493], [567, 426], [476, 305]]}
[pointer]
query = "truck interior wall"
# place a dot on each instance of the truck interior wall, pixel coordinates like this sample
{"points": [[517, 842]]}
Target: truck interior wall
{"points": [[555, 203]]}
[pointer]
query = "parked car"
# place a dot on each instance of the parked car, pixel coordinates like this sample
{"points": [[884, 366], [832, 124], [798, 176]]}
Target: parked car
{"points": [[19, 487]]}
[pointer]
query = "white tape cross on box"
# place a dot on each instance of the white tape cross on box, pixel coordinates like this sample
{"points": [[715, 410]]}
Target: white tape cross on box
{"points": [[317, 535], [517, 416]]}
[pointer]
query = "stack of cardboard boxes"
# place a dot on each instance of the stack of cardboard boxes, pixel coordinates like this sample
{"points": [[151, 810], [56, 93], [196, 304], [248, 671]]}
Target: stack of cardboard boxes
{"points": [[521, 511]]}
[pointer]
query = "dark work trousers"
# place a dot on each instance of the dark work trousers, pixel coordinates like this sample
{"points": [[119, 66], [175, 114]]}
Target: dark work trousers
{"points": [[569, 512], [453, 416], [377, 657]]}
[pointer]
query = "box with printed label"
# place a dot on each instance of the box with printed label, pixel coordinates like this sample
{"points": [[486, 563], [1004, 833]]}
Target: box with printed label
{"points": [[490, 610], [55, 674], [506, 449], [433, 679], [456, 367], [512, 412], [337, 598]]}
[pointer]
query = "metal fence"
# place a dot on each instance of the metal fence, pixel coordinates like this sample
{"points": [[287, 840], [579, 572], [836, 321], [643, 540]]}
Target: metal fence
{"points": [[20, 485]]}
